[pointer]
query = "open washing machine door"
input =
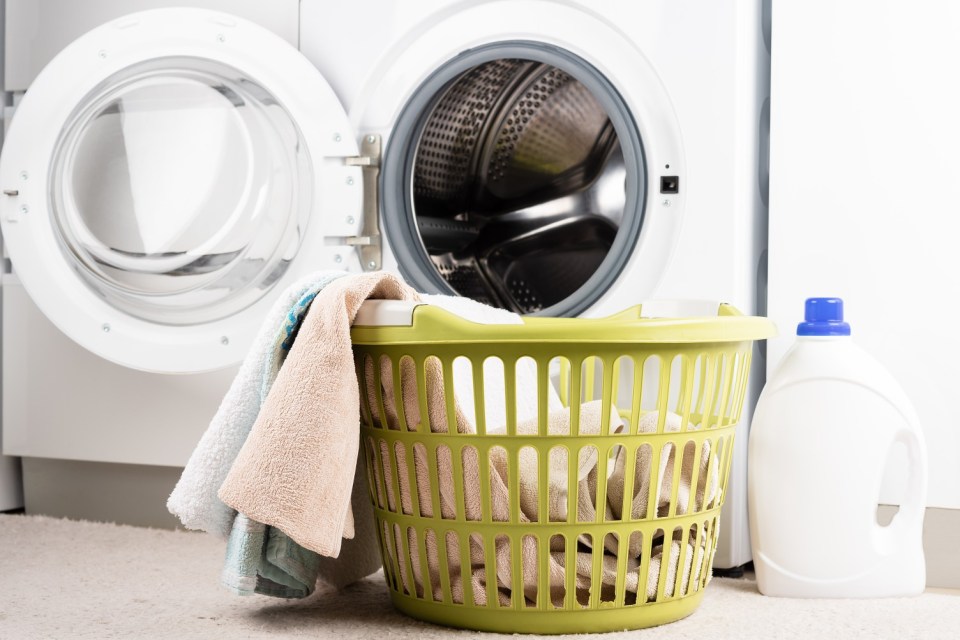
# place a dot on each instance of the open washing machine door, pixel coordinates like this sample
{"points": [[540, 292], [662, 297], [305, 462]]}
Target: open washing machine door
{"points": [[164, 174]]}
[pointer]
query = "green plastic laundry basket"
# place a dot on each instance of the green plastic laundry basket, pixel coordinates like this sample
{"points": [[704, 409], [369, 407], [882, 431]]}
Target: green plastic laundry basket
{"points": [[671, 392]]}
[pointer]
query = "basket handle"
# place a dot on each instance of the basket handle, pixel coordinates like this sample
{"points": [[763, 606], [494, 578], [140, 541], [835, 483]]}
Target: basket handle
{"points": [[681, 308], [386, 313]]}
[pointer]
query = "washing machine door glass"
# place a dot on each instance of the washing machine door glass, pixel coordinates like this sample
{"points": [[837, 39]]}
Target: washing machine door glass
{"points": [[176, 189], [163, 177]]}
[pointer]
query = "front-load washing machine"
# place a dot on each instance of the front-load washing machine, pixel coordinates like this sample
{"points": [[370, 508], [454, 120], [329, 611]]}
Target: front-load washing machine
{"points": [[169, 172]]}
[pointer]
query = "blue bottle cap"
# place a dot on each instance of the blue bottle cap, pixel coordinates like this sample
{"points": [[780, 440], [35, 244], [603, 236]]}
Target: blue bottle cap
{"points": [[823, 317]]}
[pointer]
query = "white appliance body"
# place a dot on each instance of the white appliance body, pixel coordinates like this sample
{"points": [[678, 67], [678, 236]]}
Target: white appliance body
{"points": [[691, 80]]}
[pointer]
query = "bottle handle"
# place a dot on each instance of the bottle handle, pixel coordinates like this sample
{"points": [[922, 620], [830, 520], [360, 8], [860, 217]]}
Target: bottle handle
{"points": [[913, 505]]}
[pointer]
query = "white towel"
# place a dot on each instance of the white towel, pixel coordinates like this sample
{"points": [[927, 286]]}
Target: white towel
{"points": [[194, 500]]}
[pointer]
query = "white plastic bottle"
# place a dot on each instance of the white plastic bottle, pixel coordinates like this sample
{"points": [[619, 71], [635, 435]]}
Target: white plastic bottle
{"points": [[819, 442]]}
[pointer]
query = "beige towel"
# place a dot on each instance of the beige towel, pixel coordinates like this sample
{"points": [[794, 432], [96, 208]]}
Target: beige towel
{"points": [[296, 469]]}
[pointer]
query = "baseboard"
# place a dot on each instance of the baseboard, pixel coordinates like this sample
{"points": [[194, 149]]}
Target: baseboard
{"points": [[939, 544], [99, 491]]}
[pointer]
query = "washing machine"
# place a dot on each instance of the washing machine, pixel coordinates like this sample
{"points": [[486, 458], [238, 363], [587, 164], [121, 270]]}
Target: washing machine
{"points": [[169, 172]]}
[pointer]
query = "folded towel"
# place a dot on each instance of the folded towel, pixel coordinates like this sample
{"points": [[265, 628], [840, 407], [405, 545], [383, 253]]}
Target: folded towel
{"points": [[194, 499], [296, 470]]}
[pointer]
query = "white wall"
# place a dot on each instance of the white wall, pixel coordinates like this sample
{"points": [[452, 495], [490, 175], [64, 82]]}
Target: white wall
{"points": [[865, 195]]}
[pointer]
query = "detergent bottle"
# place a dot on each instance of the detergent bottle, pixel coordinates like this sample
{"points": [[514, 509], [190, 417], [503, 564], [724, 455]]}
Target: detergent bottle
{"points": [[822, 433]]}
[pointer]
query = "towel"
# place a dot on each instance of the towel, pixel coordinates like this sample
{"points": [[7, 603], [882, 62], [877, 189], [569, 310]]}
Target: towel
{"points": [[194, 499], [297, 468]]}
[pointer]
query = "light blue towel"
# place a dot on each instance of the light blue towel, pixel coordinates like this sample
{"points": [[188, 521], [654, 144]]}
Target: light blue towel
{"points": [[262, 559], [194, 500]]}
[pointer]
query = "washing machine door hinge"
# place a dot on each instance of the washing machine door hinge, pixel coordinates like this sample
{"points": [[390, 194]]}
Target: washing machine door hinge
{"points": [[368, 241]]}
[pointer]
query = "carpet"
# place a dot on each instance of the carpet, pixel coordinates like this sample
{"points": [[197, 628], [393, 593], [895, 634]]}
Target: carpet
{"points": [[69, 579]]}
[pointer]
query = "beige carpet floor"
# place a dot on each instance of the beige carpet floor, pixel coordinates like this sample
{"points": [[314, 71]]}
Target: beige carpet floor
{"points": [[68, 579]]}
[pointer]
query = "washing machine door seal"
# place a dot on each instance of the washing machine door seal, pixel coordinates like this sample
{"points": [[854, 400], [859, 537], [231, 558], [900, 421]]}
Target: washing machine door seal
{"points": [[164, 174]]}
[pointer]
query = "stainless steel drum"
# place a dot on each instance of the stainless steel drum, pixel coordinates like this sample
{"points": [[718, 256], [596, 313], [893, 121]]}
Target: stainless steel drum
{"points": [[518, 184]]}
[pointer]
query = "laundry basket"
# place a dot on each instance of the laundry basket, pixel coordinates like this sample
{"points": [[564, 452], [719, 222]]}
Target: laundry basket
{"points": [[556, 476]]}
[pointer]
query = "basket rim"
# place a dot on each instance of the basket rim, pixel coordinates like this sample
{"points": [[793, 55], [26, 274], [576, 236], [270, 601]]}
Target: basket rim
{"points": [[433, 325]]}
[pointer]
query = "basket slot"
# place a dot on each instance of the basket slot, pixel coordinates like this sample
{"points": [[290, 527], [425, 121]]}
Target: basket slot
{"points": [[414, 489], [426, 420], [403, 556], [629, 475], [653, 582], [692, 459], [407, 482], [449, 394], [653, 484], [742, 383], [512, 550], [459, 496], [497, 462], [706, 390], [448, 547], [543, 486], [441, 586], [490, 570], [389, 479], [603, 460], [682, 578], [373, 481], [544, 586], [607, 591], [479, 401], [399, 374], [704, 545], [513, 484], [528, 558], [726, 463], [557, 462], [427, 545], [584, 583], [360, 364], [418, 555], [378, 391], [675, 477], [728, 368], [637, 396], [543, 399], [635, 549], [510, 395], [561, 366], [530, 490], [486, 513], [470, 457], [570, 572], [686, 377], [606, 367], [465, 545], [596, 571], [557, 581], [585, 505], [434, 479], [573, 455], [575, 375]]}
